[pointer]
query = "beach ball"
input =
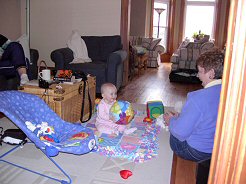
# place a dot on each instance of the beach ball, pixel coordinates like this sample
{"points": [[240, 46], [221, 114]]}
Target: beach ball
{"points": [[122, 112]]}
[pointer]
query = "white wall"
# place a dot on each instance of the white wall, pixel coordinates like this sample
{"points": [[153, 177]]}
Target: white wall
{"points": [[52, 22], [138, 18], [10, 25]]}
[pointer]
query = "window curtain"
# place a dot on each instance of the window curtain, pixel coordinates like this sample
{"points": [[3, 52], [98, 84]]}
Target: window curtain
{"points": [[175, 25], [221, 23], [151, 18]]}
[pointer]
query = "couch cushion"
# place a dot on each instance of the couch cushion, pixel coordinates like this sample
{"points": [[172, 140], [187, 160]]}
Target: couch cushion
{"points": [[146, 42], [86, 67], [93, 47], [99, 47], [110, 44], [154, 43]]}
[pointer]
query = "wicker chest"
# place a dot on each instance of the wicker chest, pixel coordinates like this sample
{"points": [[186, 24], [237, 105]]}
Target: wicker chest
{"points": [[66, 100]]}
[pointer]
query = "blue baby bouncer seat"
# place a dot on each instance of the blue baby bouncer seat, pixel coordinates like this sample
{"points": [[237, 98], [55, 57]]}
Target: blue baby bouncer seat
{"points": [[45, 128]]}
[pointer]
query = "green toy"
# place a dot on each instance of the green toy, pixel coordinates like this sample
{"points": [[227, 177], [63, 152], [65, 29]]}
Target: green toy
{"points": [[155, 109]]}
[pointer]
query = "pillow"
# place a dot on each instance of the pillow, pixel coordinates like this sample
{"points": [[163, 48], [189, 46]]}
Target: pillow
{"points": [[23, 40], [146, 42], [154, 42], [140, 50], [78, 46]]}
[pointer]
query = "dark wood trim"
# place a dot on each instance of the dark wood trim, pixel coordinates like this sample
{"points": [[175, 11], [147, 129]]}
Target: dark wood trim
{"points": [[217, 22], [181, 22], [171, 24], [124, 32]]}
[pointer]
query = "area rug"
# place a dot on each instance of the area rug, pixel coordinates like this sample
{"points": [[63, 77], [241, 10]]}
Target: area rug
{"points": [[140, 146], [91, 168]]}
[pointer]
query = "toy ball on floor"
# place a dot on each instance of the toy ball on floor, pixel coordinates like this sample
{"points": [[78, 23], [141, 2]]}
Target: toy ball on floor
{"points": [[122, 112]]}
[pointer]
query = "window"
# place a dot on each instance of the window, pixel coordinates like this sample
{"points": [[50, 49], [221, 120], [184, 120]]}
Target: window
{"points": [[199, 16], [160, 20]]}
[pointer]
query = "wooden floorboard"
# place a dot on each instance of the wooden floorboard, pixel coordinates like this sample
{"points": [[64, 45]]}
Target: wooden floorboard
{"points": [[153, 84]]}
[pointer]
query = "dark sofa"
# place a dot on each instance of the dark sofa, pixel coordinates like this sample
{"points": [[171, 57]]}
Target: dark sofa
{"points": [[13, 83], [107, 59]]}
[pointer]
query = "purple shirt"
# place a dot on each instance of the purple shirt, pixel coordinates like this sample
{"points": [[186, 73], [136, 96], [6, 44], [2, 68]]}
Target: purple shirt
{"points": [[197, 121]]}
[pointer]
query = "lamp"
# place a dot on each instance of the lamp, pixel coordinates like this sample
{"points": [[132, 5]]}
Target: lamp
{"points": [[159, 11]]}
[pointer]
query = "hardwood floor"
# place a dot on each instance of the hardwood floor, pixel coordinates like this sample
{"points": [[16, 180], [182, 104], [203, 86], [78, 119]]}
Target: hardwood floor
{"points": [[154, 84]]}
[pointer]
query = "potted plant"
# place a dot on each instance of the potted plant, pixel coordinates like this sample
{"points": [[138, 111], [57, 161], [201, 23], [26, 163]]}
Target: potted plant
{"points": [[198, 36]]}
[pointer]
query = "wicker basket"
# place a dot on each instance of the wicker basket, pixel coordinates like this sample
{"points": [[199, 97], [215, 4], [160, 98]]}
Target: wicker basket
{"points": [[66, 99]]}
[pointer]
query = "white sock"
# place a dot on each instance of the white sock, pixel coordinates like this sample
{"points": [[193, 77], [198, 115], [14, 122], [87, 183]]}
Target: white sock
{"points": [[130, 130], [23, 79]]}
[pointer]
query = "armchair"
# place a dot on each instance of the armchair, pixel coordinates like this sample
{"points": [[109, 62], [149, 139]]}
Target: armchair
{"points": [[186, 55], [184, 61], [151, 47]]}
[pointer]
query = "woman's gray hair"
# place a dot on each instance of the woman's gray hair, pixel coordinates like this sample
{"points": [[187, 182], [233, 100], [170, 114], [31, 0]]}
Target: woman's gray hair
{"points": [[212, 59]]}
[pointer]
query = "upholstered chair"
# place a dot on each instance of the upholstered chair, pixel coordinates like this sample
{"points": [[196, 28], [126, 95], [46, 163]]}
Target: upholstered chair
{"points": [[151, 46], [186, 55]]}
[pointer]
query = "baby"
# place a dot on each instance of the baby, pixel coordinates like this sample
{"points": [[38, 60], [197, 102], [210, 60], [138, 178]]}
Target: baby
{"points": [[103, 122]]}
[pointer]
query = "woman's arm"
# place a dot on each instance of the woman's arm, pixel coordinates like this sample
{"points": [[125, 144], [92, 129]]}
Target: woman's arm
{"points": [[182, 126], [168, 115]]}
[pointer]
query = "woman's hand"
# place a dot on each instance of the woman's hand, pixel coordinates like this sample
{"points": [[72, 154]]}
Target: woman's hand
{"points": [[168, 115]]}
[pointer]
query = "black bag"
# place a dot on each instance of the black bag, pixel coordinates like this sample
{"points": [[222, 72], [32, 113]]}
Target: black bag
{"points": [[13, 136]]}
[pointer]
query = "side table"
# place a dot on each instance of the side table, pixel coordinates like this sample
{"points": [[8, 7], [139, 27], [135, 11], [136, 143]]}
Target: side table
{"points": [[142, 62]]}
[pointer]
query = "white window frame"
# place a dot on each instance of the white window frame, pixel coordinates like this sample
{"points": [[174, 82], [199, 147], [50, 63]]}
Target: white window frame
{"points": [[201, 3]]}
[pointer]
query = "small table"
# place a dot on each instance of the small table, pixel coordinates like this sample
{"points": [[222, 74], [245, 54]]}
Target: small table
{"points": [[66, 100], [142, 62]]}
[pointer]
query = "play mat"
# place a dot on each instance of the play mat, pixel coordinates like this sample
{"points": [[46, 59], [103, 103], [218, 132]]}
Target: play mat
{"points": [[140, 146]]}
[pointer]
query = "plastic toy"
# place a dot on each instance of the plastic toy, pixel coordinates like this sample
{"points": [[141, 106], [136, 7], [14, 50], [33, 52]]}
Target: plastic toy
{"points": [[148, 120], [125, 174], [154, 109], [100, 140], [43, 131], [122, 112]]}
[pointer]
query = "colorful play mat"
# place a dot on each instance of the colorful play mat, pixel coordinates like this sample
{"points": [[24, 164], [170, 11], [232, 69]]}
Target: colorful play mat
{"points": [[140, 146]]}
